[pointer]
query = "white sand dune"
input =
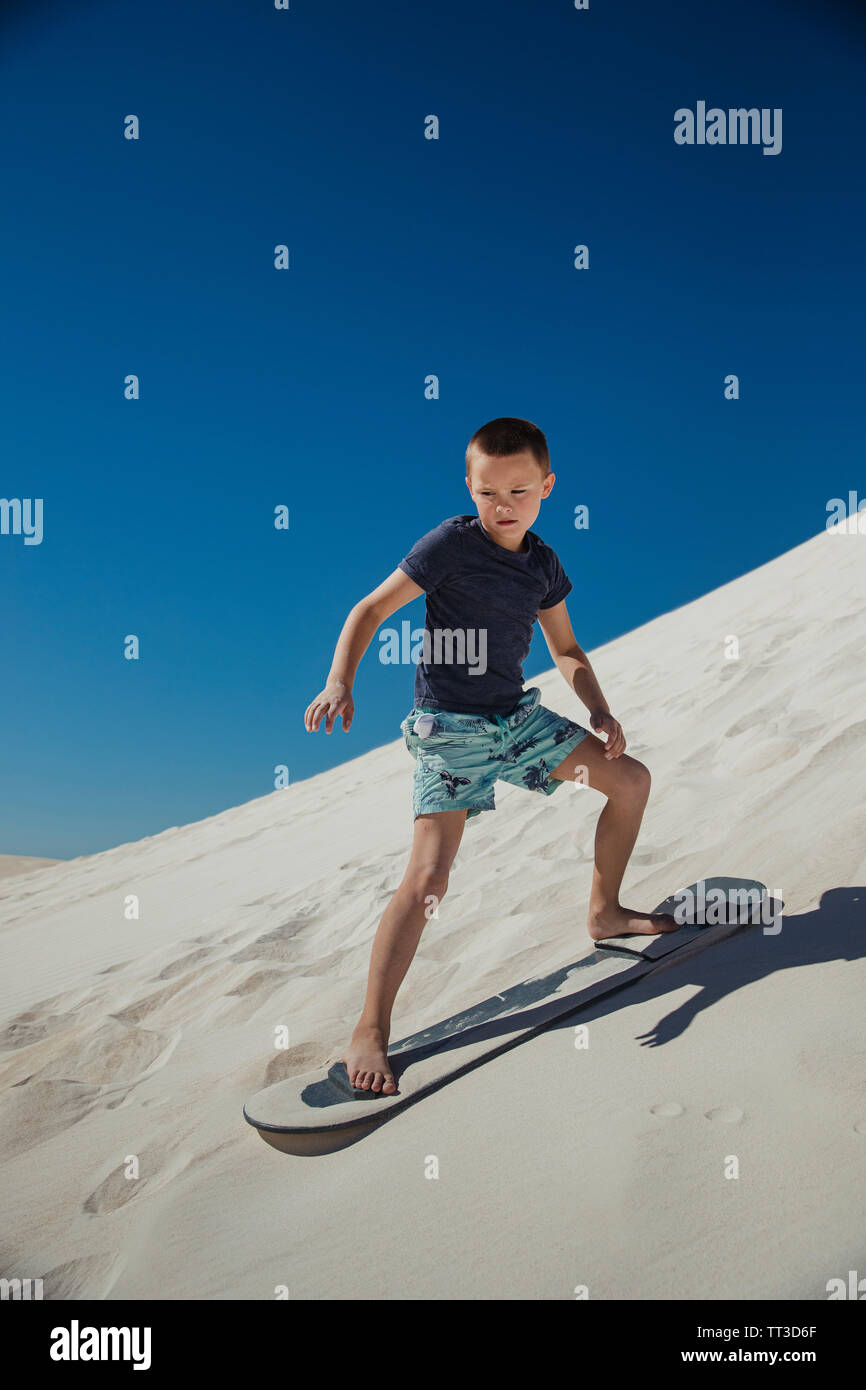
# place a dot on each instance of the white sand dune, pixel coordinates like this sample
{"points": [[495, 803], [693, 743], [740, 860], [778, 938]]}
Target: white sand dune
{"points": [[558, 1167], [23, 864]]}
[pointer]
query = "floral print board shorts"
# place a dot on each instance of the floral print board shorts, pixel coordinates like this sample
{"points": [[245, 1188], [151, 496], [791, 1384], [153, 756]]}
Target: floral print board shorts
{"points": [[459, 757]]}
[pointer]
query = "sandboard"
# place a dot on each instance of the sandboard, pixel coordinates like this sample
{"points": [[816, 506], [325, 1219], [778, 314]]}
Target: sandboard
{"points": [[324, 1107]]}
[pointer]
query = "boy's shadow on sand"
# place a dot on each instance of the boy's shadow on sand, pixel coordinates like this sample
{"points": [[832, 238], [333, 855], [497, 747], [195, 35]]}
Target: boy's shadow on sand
{"points": [[835, 930]]}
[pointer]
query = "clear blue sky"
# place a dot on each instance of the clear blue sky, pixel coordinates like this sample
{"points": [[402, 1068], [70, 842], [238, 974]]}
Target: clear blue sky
{"points": [[306, 387]]}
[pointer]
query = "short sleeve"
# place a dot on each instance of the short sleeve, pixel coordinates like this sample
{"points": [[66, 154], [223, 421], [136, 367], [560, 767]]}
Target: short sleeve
{"points": [[560, 584], [434, 558]]}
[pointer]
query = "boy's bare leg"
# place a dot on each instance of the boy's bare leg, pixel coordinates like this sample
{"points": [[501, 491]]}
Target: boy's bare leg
{"points": [[626, 783], [435, 843]]}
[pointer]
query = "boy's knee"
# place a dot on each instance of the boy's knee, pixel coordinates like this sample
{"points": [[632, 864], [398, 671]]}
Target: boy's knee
{"points": [[637, 777], [427, 882]]}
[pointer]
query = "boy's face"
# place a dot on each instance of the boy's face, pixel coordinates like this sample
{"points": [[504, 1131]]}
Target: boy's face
{"points": [[508, 493]]}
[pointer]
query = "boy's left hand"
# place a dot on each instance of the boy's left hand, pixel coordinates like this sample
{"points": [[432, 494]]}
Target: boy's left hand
{"points": [[603, 723]]}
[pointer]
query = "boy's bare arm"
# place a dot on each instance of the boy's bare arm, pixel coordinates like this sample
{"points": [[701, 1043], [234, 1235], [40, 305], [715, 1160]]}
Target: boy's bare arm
{"points": [[335, 700], [576, 669]]}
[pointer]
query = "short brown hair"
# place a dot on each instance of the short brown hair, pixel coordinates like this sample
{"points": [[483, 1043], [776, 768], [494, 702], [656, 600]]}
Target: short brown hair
{"points": [[509, 435]]}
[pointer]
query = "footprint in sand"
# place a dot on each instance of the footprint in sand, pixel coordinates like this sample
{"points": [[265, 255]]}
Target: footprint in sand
{"points": [[33, 1112], [725, 1114], [91, 1276], [273, 945], [234, 936], [176, 967], [32, 1027], [294, 1061], [759, 718], [667, 1109], [763, 755], [157, 1166], [113, 1054], [261, 983], [139, 1009]]}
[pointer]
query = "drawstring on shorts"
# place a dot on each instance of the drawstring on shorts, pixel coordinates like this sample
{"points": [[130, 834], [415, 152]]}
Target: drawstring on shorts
{"points": [[503, 727]]}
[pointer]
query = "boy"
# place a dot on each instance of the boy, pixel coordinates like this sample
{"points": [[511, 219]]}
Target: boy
{"points": [[487, 578]]}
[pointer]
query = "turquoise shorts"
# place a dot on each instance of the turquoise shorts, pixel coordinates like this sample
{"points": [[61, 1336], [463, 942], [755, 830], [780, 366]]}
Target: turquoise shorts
{"points": [[463, 755]]}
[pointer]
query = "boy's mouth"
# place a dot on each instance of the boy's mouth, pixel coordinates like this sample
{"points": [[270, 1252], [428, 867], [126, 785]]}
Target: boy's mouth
{"points": [[506, 523]]}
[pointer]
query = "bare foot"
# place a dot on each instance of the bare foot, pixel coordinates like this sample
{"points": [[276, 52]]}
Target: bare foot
{"points": [[623, 921], [366, 1060]]}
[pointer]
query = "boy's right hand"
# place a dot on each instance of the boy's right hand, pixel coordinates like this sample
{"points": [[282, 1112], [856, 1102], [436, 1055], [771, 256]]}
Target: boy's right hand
{"points": [[335, 700]]}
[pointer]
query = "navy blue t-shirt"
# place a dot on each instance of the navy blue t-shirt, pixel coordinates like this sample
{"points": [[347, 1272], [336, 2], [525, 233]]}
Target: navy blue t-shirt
{"points": [[482, 601]]}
